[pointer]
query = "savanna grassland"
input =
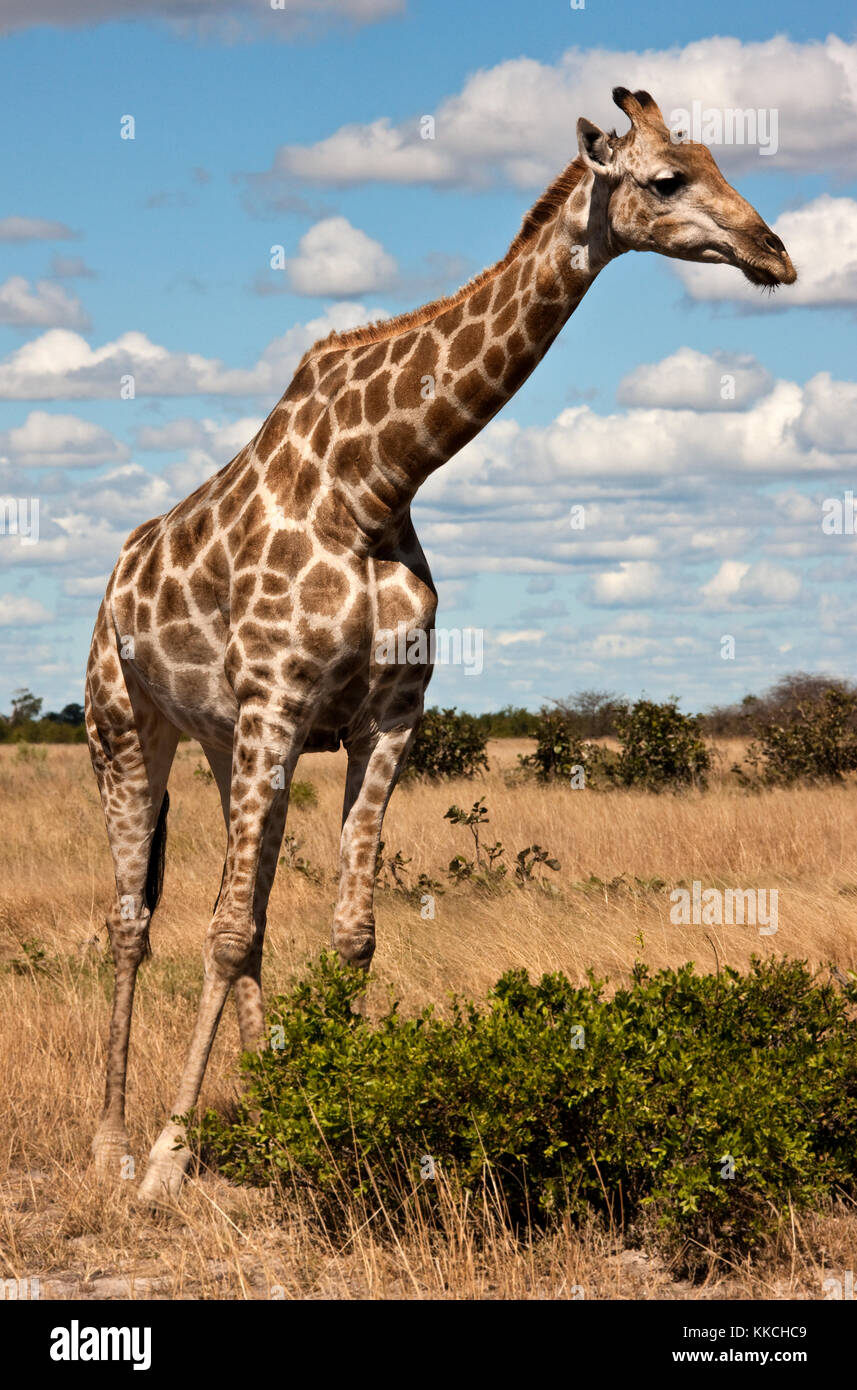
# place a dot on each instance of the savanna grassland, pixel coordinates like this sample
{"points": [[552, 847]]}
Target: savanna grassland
{"points": [[608, 905]]}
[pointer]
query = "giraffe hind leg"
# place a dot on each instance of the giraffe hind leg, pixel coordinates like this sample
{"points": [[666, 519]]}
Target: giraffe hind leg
{"points": [[267, 747], [132, 748]]}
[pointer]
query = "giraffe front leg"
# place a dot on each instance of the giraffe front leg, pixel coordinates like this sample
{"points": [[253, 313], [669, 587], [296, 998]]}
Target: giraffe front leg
{"points": [[264, 757], [248, 986], [373, 770]]}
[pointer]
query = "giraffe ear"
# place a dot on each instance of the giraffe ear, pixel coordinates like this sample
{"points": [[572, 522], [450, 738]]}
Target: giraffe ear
{"points": [[594, 146]]}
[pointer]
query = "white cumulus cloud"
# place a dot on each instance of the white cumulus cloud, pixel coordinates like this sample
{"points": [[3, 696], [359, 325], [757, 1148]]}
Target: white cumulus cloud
{"points": [[336, 259], [635, 581], [828, 419], [45, 304], [737, 582], [61, 365], [17, 610], [515, 122], [221, 441], [511, 639], [692, 380], [59, 441]]}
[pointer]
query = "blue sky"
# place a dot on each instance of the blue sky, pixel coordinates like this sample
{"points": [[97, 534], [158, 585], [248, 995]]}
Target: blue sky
{"points": [[299, 128]]}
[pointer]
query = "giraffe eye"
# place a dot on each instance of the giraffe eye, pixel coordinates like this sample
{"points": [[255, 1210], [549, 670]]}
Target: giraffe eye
{"points": [[668, 185]]}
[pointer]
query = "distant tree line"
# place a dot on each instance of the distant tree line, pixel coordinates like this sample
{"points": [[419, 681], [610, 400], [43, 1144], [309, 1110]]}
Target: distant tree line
{"points": [[804, 727], [26, 723], [779, 704], [598, 713]]}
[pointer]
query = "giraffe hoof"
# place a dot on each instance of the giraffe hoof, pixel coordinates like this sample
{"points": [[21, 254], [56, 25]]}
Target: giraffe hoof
{"points": [[162, 1180], [356, 946], [111, 1153]]}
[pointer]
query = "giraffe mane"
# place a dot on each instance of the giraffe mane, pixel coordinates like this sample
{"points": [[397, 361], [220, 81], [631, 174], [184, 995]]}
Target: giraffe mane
{"points": [[544, 208]]}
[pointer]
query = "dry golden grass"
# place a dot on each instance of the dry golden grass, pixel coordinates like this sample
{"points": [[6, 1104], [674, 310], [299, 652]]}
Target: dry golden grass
{"points": [[58, 1224]]}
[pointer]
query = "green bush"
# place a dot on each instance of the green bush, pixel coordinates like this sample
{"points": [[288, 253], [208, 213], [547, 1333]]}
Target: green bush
{"points": [[814, 740], [661, 748], [560, 751], [447, 745], [563, 1101], [302, 794]]}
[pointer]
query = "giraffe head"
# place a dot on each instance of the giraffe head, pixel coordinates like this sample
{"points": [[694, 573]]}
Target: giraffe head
{"points": [[659, 193]]}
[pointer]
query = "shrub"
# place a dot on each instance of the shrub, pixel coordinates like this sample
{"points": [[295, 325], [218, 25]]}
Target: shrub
{"points": [[33, 961], [447, 745], [302, 794], [661, 748], [560, 750], [561, 1100], [293, 859], [813, 740], [392, 872], [488, 870]]}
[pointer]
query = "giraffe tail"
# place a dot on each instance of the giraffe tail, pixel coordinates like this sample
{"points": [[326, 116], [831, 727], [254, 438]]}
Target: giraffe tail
{"points": [[157, 856]]}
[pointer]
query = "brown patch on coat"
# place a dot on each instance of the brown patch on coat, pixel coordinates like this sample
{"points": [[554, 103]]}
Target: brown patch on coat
{"points": [[319, 641], [465, 346], [366, 364], [476, 394], [289, 552], [149, 577], [323, 590], [349, 409], [238, 495], [305, 489], [504, 320], [334, 524], [172, 604], [185, 643], [377, 400], [541, 319], [320, 438], [494, 360]]}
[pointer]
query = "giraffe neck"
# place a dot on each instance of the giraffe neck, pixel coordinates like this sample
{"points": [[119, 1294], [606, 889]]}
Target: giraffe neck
{"points": [[429, 389]]}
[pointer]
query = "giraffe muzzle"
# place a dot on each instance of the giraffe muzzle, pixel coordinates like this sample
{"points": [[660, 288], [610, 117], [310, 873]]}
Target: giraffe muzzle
{"points": [[766, 262]]}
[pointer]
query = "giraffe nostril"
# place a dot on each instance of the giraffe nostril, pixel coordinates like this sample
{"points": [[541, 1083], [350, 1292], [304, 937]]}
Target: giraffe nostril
{"points": [[773, 243]]}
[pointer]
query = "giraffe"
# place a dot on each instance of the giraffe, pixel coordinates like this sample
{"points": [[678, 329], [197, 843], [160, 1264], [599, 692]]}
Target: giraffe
{"points": [[248, 616]]}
